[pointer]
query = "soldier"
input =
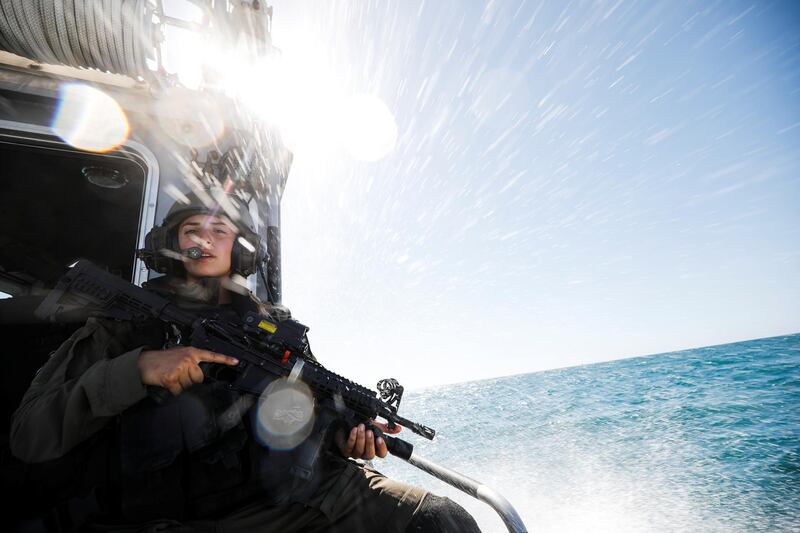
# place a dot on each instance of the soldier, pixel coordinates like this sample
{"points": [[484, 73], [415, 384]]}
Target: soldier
{"points": [[188, 461]]}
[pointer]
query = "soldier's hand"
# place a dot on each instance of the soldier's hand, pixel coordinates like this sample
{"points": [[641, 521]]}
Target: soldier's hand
{"points": [[178, 368], [362, 443]]}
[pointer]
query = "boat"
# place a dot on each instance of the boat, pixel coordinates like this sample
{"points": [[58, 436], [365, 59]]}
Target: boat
{"points": [[99, 135], [109, 113]]}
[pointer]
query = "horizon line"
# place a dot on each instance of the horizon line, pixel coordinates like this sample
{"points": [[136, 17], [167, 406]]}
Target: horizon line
{"points": [[614, 359]]}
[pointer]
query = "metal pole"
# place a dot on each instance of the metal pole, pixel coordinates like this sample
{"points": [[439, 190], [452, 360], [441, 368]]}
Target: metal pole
{"points": [[476, 489]]}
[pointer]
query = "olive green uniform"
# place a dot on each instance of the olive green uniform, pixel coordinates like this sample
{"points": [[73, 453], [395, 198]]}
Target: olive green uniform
{"points": [[91, 385]]}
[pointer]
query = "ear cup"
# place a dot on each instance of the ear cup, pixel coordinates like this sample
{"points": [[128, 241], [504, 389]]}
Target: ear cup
{"points": [[154, 242], [161, 238], [245, 261]]}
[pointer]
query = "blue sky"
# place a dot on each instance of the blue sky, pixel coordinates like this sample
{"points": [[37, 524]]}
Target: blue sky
{"points": [[571, 183]]}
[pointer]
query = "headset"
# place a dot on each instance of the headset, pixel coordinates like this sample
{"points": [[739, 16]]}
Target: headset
{"points": [[162, 253]]}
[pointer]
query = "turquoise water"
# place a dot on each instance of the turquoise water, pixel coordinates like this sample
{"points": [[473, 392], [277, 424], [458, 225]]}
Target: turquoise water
{"points": [[699, 440]]}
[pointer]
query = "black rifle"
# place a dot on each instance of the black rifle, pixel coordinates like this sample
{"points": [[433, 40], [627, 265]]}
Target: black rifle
{"points": [[267, 350]]}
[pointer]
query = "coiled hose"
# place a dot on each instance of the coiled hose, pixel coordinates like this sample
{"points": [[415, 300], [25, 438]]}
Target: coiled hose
{"points": [[108, 35]]}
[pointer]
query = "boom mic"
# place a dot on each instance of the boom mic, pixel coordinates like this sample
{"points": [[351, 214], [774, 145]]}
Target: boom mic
{"points": [[192, 253]]}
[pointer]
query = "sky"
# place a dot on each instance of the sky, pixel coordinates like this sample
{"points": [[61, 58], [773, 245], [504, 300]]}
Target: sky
{"points": [[569, 183]]}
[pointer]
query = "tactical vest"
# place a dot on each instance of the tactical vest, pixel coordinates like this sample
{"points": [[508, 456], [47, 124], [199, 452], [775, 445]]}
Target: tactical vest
{"points": [[192, 456]]}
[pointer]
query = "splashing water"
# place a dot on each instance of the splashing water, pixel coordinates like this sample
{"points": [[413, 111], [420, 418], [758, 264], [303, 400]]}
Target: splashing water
{"points": [[698, 440]]}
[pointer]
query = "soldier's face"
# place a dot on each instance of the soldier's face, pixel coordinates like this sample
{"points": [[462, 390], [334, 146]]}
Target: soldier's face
{"points": [[215, 237]]}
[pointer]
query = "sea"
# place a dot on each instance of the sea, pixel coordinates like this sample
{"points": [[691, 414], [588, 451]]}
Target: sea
{"points": [[704, 440]]}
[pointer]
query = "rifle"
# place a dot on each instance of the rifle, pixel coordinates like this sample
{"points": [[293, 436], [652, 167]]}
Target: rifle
{"points": [[271, 353]]}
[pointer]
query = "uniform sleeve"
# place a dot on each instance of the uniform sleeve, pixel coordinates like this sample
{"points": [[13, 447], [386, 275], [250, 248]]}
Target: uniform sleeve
{"points": [[88, 380]]}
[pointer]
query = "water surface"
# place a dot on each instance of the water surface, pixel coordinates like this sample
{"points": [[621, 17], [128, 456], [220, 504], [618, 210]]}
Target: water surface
{"points": [[699, 440]]}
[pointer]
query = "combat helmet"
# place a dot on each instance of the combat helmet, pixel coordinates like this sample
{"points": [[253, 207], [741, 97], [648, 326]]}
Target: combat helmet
{"points": [[162, 253]]}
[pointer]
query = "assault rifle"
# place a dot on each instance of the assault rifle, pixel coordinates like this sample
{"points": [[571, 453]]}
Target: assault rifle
{"points": [[269, 352]]}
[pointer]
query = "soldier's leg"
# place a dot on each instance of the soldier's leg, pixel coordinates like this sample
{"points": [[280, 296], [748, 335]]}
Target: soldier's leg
{"points": [[362, 499], [438, 514], [351, 499]]}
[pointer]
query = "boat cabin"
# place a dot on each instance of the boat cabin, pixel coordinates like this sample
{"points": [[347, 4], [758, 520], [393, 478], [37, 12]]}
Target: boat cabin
{"points": [[98, 138]]}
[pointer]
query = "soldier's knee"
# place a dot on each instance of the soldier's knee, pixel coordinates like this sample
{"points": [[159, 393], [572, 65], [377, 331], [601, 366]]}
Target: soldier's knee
{"points": [[441, 515]]}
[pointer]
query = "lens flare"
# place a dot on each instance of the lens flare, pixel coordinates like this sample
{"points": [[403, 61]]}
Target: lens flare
{"points": [[285, 414], [297, 93], [189, 117], [89, 119], [368, 128], [183, 52]]}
